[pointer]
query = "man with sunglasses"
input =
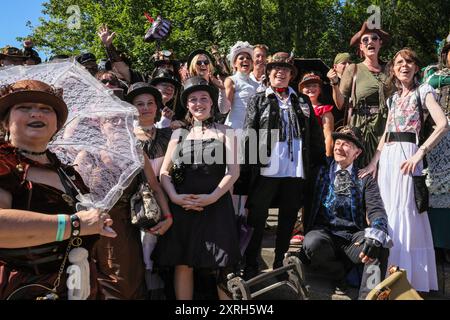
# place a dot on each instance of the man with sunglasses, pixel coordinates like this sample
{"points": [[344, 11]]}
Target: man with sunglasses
{"points": [[111, 82]]}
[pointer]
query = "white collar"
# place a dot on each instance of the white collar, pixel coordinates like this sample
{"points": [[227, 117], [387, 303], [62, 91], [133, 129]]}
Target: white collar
{"points": [[349, 168], [270, 91]]}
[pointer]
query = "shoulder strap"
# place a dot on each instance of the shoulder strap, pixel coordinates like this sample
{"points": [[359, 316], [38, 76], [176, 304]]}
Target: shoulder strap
{"points": [[422, 119], [353, 94], [68, 184], [352, 101]]}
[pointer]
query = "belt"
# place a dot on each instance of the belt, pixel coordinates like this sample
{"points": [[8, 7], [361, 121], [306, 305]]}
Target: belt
{"points": [[367, 110], [401, 137], [37, 261], [28, 251]]}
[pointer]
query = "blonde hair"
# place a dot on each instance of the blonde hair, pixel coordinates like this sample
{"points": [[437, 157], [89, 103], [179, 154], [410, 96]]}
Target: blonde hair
{"points": [[192, 71], [262, 47]]}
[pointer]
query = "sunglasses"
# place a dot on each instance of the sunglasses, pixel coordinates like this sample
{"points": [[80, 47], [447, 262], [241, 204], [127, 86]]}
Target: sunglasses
{"points": [[374, 38], [200, 62], [110, 81]]}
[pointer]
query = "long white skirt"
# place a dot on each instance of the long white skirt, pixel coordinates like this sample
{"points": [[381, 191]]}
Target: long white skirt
{"points": [[410, 231]]}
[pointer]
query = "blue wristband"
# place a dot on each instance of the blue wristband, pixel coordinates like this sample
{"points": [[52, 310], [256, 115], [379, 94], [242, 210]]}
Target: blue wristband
{"points": [[61, 227]]}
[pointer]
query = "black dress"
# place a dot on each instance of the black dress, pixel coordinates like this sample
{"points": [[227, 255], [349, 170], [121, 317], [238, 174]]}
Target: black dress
{"points": [[206, 239]]}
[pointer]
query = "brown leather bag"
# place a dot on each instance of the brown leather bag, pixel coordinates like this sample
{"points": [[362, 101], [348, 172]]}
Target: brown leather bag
{"points": [[394, 287]]}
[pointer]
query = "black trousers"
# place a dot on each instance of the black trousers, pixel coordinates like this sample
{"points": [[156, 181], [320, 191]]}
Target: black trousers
{"points": [[336, 255], [288, 193]]}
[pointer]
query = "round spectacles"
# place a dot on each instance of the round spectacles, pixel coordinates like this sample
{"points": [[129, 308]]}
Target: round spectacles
{"points": [[374, 38]]}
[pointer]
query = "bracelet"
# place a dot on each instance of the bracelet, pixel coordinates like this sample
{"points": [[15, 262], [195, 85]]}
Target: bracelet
{"points": [[75, 225], [61, 227], [167, 216]]}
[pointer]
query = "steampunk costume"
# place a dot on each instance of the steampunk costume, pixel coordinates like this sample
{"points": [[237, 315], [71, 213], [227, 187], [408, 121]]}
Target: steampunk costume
{"points": [[298, 147], [367, 92], [37, 264], [337, 226]]}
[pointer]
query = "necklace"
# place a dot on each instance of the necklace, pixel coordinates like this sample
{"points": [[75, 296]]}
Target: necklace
{"points": [[32, 152], [149, 131]]}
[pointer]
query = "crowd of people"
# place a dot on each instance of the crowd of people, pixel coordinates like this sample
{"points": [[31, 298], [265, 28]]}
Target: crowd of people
{"points": [[355, 182]]}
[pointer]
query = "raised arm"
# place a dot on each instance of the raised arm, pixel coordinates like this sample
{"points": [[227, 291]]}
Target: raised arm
{"points": [[118, 64]]}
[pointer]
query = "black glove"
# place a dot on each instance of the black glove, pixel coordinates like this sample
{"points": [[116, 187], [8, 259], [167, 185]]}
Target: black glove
{"points": [[371, 248]]}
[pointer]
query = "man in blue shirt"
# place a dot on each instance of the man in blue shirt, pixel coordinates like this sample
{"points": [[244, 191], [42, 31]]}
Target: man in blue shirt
{"points": [[347, 224]]}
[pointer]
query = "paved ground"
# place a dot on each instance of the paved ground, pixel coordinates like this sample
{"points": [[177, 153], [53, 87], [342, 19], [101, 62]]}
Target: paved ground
{"points": [[320, 287]]}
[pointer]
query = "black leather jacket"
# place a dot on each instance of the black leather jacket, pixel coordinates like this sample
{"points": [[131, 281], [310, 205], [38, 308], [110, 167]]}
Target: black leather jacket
{"points": [[263, 115]]}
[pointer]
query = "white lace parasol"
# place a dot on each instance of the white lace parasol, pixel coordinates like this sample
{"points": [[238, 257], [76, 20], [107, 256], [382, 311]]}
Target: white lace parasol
{"points": [[98, 135]]}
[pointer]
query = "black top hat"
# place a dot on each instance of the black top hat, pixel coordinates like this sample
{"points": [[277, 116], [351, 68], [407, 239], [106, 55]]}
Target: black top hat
{"points": [[351, 134], [138, 88], [86, 57], [196, 52], [164, 75], [198, 83]]}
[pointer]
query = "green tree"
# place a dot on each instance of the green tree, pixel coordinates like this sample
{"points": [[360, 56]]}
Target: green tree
{"points": [[312, 28]]}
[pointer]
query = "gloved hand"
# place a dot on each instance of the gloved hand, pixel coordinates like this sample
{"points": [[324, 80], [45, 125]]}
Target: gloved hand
{"points": [[371, 248]]}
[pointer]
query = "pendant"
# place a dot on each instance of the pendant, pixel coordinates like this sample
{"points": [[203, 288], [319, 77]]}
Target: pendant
{"points": [[19, 167], [68, 199]]}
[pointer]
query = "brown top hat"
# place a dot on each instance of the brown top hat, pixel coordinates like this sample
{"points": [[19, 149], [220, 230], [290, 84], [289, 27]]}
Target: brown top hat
{"points": [[309, 78], [365, 28], [33, 91], [282, 59]]}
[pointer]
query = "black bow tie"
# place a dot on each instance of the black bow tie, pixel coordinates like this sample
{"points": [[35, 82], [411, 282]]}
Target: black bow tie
{"points": [[343, 183]]}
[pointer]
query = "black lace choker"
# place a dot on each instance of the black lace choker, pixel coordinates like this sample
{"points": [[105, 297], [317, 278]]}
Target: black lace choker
{"points": [[32, 152]]}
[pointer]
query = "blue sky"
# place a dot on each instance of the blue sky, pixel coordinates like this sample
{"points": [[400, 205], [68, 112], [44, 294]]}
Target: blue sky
{"points": [[14, 15]]}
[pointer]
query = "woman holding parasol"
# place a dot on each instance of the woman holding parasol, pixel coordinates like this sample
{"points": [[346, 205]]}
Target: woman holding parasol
{"points": [[38, 219]]}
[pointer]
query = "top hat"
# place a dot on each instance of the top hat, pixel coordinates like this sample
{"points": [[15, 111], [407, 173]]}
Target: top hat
{"points": [[33, 91], [198, 83], [164, 75], [138, 88], [351, 134]]}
